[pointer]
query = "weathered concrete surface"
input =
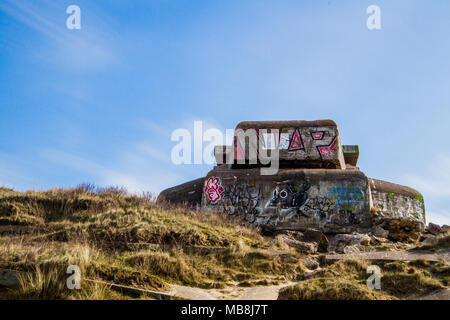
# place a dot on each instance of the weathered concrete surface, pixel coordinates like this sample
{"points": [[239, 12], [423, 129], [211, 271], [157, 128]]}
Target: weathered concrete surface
{"points": [[351, 155], [334, 201], [398, 209], [397, 201], [330, 200], [318, 184], [305, 144], [189, 193]]}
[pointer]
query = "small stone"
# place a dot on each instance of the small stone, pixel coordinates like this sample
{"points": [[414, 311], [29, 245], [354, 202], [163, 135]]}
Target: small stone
{"points": [[340, 241], [300, 246], [307, 274], [430, 241], [311, 263], [357, 248], [379, 232]]}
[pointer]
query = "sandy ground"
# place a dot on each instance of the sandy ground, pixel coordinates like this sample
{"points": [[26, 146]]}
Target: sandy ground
{"points": [[231, 293], [394, 255]]}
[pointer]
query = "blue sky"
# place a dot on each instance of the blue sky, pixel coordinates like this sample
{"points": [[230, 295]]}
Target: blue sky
{"points": [[99, 104]]}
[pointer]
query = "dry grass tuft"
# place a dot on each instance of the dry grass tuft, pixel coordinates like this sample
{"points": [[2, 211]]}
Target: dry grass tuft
{"points": [[331, 289], [346, 279]]}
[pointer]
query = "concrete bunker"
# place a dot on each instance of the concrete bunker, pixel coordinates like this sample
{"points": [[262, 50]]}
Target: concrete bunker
{"points": [[318, 184]]}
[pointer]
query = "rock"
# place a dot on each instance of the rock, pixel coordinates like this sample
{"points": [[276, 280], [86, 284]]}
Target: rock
{"points": [[267, 230], [379, 232], [434, 228], [374, 240], [402, 230], [308, 274], [8, 278], [340, 241], [314, 235], [296, 235], [300, 246], [430, 241], [305, 247], [357, 248], [311, 262]]}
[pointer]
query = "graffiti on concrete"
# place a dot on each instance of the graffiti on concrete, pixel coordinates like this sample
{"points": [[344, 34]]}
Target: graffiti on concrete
{"points": [[289, 203], [320, 144], [292, 202], [287, 196], [284, 141], [213, 189], [318, 135], [242, 200], [296, 141], [284, 203], [327, 152], [301, 143], [347, 196], [318, 208]]}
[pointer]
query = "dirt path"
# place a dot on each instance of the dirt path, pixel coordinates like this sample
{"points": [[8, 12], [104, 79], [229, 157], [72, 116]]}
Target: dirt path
{"points": [[190, 293], [393, 255], [262, 293], [231, 293], [437, 295]]}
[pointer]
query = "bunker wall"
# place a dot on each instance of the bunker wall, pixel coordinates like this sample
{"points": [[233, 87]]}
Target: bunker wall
{"points": [[333, 200], [187, 193], [396, 201]]}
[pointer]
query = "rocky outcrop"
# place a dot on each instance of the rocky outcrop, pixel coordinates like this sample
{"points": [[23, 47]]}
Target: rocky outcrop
{"points": [[403, 230], [317, 236], [345, 243]]}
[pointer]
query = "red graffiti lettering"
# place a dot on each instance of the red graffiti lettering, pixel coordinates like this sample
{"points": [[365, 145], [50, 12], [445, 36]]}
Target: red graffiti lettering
{"points": [[213, 189]]}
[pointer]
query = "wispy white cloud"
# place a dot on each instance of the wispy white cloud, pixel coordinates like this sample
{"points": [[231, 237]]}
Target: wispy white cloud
{"points": [[438, 217], [434, 183], [68, 49], [155, 127], [434, 180], [10, 174], [148, 150], [128, 171]]}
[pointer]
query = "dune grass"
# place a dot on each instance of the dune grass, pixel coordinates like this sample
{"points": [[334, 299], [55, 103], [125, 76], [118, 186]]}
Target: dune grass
{"points": [[129, 240], [346, 280]]}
